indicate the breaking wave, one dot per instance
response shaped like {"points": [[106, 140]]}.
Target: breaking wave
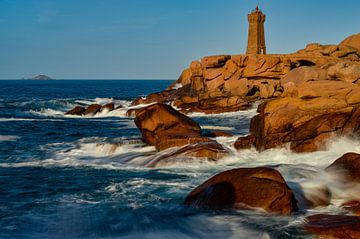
{"points": [[8, 138]]}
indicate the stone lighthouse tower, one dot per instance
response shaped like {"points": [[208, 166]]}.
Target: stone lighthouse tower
{"points": [[256, 38]]}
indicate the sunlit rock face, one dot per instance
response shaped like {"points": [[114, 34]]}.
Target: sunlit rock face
{"points": [[226, 83]]}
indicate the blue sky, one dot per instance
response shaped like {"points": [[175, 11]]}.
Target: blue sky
{"points": [[153, 39]]}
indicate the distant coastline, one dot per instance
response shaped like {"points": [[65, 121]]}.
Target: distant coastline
{"points": [[41, 77]]}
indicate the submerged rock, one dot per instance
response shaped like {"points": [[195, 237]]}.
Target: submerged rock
{"points": [[78, 110], [352, 206], [333, 226], [245, 188], [108, 107], [203, 151], [347, 166], [92, 109]]}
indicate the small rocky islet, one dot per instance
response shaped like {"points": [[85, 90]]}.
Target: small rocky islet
{"points": [[306, 98]]}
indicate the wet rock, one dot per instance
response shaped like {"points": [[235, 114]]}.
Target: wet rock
{"points": [[333, 226], [92, 109], [218, 133], [158, 121], [305, 125], [203, 151], [108, 107], [246, 142], [352, 206], [166, 141], [245, 188], [311, 195], [78, 110], [347, 166]]}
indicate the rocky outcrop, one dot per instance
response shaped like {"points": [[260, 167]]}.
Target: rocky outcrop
{"points": [[91, 109], [347, 166], [108, 107], [352, 41], [226, 83], [263, 188], [317, 103], [78, 110], [333, 226], [160, 122], [165, 128]]}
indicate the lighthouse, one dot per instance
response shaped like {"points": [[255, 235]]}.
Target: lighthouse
{"points": [[256, 38]]}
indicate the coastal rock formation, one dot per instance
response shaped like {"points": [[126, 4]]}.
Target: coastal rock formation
{"points": [[347, 166], [227, 83], [334, 226], [317, 103], [78, 110], [353, 41], [245, 188], [108, 107], [160, 122], [164, 127], [91, 109]]}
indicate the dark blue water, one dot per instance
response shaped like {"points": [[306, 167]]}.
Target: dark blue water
{"points": [[84, 177]]}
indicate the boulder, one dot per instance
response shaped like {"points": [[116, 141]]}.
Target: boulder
{"points": [[246, 142], [78, 110], [108, 107], [333, 226], [92, 109], [304, 124], [166, 141], [245, 188], [353, 41], [352, 206], [158, 121], [348, 166], [202, 151]]}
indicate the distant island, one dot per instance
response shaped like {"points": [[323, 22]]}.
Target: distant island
{"points": [[41, 77]]}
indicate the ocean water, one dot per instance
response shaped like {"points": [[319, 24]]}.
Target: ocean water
{"points": [[86, 177]]}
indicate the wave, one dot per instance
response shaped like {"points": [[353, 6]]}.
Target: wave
{"points": [[305, 173], [249, 113], [117, 113], [8, 138], [214, 127]]}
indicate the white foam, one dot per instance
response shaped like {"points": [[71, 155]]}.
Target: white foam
{"points": [[217, 127], [8, 138], [177, 86], [244, 114]]}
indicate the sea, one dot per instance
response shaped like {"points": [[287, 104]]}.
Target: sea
{"points": [[86, 176]]}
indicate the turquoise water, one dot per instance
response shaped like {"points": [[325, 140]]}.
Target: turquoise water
{"points": [[84, 177]]}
